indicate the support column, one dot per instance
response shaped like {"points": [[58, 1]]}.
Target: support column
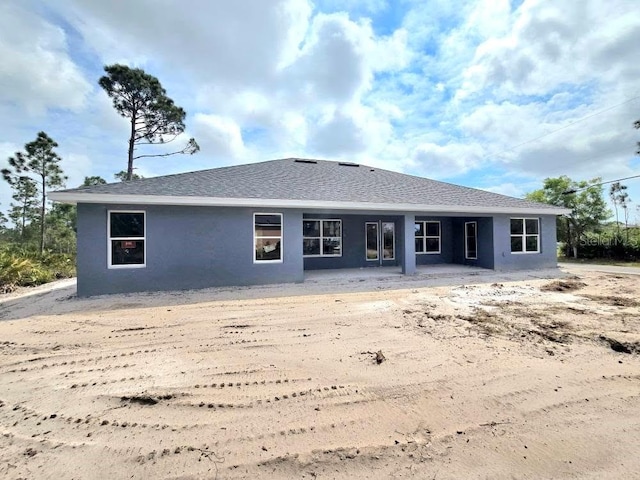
{"points": [[409, 245]]}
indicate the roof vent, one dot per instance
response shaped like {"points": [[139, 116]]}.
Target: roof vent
{"points": [[304, 160], [348, 164]]}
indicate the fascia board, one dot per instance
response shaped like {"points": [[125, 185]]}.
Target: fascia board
{"points": [[105, 198]]}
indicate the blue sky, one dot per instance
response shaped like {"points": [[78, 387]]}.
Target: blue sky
{"points": [[491, 94]]}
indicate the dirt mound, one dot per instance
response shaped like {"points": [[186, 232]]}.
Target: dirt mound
{"points": [[562, 286], [614, 301], [621, 347]]}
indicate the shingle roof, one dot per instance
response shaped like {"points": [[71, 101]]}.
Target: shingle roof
{"points": [[308, 181]]}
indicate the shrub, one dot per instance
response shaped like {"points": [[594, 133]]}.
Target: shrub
{"points": [[22, 267], [613, 247]]}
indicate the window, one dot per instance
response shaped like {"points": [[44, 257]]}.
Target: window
{"points": [[427, 237], [321, 238], [267, 237], [471, 240], [126, 231], [525, 235]]}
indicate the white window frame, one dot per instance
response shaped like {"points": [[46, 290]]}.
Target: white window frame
{"points": [[281, 238], [524, 235], [424, 237], [322, 236], [109, 239], [475, 237]]}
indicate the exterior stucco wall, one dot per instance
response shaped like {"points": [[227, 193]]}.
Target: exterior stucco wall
{"points": [[198, 247], [485, 242], [353, 242], [186, 247], [446, 242], [505, 260]]}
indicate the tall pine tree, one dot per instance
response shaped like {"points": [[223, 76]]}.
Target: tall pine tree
{"points": [[40, 163], [153, 117]]}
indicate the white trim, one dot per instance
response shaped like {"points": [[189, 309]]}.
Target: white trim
{"points": [[475, 237], [524, 235], [425, 237], [322, 237], [281, 238], [77, 197], [366, 246], [110, 266], [393, 224]]}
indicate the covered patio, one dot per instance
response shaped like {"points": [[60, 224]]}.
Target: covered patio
{"points": [[393, 272], [349, 280]]}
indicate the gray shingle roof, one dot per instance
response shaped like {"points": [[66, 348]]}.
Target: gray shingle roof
{"points": [[311, 180]]}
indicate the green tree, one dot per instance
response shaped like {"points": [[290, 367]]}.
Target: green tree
{"points": [[95, 180], [587, 204], [42, 162], [25, 210], [122, 176], [61, 228], [620, 197], [153, 116], [3, 223]]}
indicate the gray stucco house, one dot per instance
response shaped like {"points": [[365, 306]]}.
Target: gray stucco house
{"points": [[268, 222]]}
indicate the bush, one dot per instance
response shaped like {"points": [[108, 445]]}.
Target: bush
{"points": [[23, 267], [612, 247]]}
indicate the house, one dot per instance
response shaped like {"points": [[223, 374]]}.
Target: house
{"points": [[268, 222]]}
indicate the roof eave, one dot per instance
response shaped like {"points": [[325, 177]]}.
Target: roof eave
{"points": [[106, 198]]}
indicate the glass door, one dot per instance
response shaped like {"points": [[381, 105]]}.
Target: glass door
{"points": [[372, 241], [380, 242], [388, 241], [471, 240]]}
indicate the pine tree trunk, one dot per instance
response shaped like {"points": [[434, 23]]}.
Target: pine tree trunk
{"points": [[24, 218], [132, 140], [42, 209]]}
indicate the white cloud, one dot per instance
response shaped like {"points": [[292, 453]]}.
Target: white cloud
{"points": [[7, 149], [453, 87], [338, 135], [36, 71], [556, 43], [219, 137], [332, 65], [511, 189], [366, 6], [76, 166], [240, 42], [448, 160]]}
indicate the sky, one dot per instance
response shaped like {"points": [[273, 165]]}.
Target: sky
{"points": [[492, 94]]}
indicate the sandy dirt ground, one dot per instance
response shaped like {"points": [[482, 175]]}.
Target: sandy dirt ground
{"points": [[530, 379]]}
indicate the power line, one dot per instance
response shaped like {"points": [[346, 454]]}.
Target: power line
{"points": [[576, 190], [563, 127]]}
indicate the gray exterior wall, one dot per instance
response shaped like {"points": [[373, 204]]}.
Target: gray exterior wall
{"points": [[446, 242], [485, 242], [505, 260], [198, 247], [353, 242], [186, 247]]}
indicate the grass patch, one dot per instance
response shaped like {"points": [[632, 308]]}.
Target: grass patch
{"points": [[598, 261]]}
